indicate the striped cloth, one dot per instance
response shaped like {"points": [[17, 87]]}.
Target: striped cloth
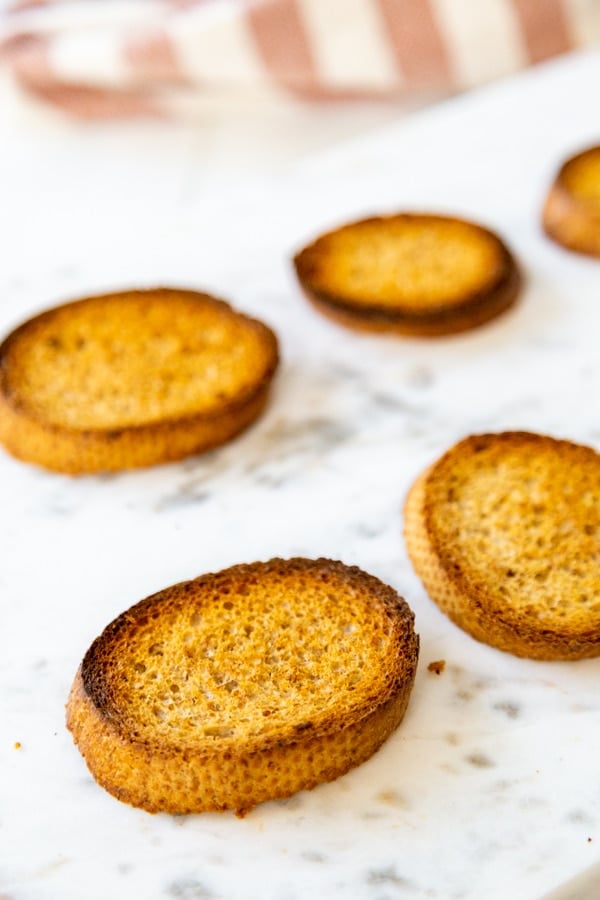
{"points": [[127, 57]]}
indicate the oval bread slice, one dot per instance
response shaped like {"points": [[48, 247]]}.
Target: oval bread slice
{"points": [[504, 532], [413, 274], [572, 210], [131, 379], [243, 686]]}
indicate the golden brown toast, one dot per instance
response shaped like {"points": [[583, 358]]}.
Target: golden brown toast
{"points": [[131, 379], [504, 532], [243, 686], [412, 274], [572, 210]]}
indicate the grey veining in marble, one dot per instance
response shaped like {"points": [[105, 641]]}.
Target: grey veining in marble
{"points": [[490, 788]]}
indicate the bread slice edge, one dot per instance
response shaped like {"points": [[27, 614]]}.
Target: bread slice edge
{"points": [[568, 220], [504, 628], [30, 438], [238, 772], [475, 309], [234, 780]]}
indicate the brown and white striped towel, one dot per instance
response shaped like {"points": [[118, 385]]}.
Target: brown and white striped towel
{"points": [[127, 57]]}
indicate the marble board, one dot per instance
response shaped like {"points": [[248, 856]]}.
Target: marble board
{"points": [[490, 788]]}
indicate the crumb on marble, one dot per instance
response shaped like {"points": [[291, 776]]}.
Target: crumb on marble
{"points": [[437, 666]]}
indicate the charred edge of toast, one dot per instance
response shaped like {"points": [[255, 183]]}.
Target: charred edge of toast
{"points": [[237, 775], [181, 782], [496, 625], [392, 605], [475, 309]]}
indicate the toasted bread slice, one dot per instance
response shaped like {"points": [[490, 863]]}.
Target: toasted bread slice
{"points": [[504, 532], [131, 379], [413, 274], [243, 686], [571, 213]]}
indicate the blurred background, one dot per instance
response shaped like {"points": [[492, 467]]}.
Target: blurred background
{"points": [[262, 81]]}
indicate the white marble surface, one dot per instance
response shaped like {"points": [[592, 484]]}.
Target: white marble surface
{"points": [[490, 788]]}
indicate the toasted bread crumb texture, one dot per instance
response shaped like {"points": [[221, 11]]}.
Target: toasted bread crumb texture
{"points": [[133, 359], [504, 531], [412, 262], [572, 209], [244, 685], [131, 379]]}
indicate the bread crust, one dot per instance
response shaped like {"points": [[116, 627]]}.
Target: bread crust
{"points": [[572, 220], [475, 308], [29, 436], [480, 605], [194, 773]]}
